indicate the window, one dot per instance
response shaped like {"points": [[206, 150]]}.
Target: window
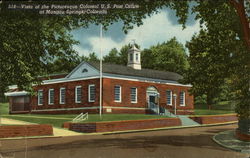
{"points": [[133, 95], [131, 57], [117, 93], [78, 94], [40, 97], [92, 93], [62, 95], [136, 57], [51, 96], [182, 98], [169, 97]]}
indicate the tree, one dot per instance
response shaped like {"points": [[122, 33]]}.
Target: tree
{"points": [[92, 57], [28, 43], [63, 64], [227, 23], [112, 57], [148, 59], [121, 57], [208, 63], [168, 56]]}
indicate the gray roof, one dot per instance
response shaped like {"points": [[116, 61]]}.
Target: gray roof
{"points": [[128, 71]]}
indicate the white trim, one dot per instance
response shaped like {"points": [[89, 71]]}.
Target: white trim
{"points": [[184, 98], [113, 76], [76, 101], [14, 94], [91, 85], [86, 108], [62, 80], [76, 68], [49, 101], [171, 97], [38, 99], [134, 102], [12, 87], [62, 109], [120, 94], [60, 97], [115, 107], [143, 79]]}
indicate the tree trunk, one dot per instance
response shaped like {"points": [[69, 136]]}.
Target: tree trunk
{"points": [[241, 11], [209, 101]]}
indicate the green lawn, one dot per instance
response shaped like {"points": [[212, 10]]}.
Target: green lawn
{"points": [[224, 107], [4, 108], [58, 120], [211, 112]]}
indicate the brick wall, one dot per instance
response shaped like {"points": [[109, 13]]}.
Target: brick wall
{"points": [[242, 136], [108, 95], [70, 95], [123, 125], [25, 130], [212, 119]]}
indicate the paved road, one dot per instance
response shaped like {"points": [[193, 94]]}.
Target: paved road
{"points": [[177, 143]]}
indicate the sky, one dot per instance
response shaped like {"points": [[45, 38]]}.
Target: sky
{"points": [[157, 28]]}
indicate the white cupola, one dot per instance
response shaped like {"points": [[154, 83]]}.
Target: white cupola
{"points": [[134, 58]]}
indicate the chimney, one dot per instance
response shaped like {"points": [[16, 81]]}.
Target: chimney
{"points": [[134, 58]]}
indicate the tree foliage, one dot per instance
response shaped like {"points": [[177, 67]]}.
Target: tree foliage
{"points": [[119, 57], [227, 33], [167, 56], [209, 65]]}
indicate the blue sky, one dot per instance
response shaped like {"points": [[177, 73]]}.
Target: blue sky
{"points": [[157, 28]]}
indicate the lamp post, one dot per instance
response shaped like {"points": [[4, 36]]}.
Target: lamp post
{"points": [[175, 96]]}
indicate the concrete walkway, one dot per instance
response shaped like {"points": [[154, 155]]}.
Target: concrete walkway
{"points": [[57, 131], [185, 121]]}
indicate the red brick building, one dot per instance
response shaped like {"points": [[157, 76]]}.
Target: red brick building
{"points": [[125, 89]]}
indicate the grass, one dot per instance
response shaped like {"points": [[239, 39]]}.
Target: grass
{"points": [[58, 120], [4, 108], [224, 107], [212, 112]]}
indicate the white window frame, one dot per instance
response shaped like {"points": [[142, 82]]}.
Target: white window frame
{"points": [[38, 97], [137, 57], [89, 95], [171, 97], [184, 98], [60, 99], [135, 95], [131, 58], [120, 96], [49, 101], [76, 101]]}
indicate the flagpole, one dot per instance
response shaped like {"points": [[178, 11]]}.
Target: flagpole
{"points": [[100, 101]]}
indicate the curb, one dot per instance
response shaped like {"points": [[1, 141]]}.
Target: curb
{"points": [[228, 147], [123, 132], [166, 128]]}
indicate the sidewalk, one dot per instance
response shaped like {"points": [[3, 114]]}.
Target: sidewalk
{"points": [[58, 132], [227, 139]]}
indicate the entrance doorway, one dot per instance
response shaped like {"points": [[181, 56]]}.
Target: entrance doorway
{"points": [[153, 99]]}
